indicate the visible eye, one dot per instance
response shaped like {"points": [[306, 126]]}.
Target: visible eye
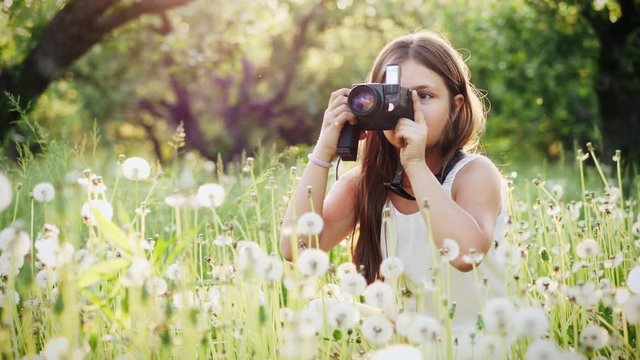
{"points": [[424, 96]]}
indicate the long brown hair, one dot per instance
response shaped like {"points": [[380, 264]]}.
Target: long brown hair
{"points": [[379, 156]]}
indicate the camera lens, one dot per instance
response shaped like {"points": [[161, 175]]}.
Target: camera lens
{"points": [[362, 99]]}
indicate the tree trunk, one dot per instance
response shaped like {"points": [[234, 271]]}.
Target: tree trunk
{"points": [[618, 81], [68, 36]]}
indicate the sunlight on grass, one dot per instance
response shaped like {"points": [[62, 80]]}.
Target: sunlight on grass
{"points": [[106, 256]]}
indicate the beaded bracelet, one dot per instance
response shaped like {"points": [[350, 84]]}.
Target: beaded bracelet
{"points": [[315, 160]]}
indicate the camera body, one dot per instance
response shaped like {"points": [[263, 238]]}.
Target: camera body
{"points": [[376, 107]]}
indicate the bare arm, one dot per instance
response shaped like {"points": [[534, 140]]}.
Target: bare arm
{"points": [[335, 215], [470, 217]]}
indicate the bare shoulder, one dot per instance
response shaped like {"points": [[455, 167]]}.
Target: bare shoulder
{"points": [[478, 175]]}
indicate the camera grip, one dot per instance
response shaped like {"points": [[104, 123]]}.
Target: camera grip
{"points": [[347, 147]]}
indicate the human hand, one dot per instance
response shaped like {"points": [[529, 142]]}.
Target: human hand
{"points": [[335, 116], [412, 135]]}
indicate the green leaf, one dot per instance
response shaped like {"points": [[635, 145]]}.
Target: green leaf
{"points": [[113, 234], [103, 270]]}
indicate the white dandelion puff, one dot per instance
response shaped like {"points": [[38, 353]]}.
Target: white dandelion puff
{"points": [[377, 329], [633, 280], [635, 228], [139, 271], [6, 192], [556, 190], [378, 294], [632, 309], [614, 261], [353, 284], [450, 250], [546, 286], [594, 337], [473, 257], [175, 272], [492, 346], [310, 223], [270, 268], [176, 200], [56, 348], [391, 268], [136, 168], [342, 315], [223, 240], [398, 351], [43, 192], [309, 322], [156, 286], [587, 248], [210, 195], [14, 241], [53, 254], [531, 322], [286, 315], [498, 314], [403, 323], [185, 299], [90, 207], [424, 329], [346, 268], [313, 262], [46, 278], [248, 254], [543, 350]]}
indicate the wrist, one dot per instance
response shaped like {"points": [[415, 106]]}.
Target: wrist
{"points": [[323, 154], [412, 167]]}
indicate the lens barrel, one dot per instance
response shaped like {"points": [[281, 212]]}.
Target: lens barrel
{"points": [[363, 100]]}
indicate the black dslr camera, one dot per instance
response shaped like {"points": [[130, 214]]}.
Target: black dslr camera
{"points": [[377, 107]]}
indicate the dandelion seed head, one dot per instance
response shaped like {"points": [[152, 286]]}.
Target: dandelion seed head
{"points": [[491, 346], [498, 314], [353, 284], [57, 348], [156, 286], [43, 192], [587, 248], [136, 168], [310, 223], [614, 261], [346, 268], [542, 350], [633, 280], [269, 268], [635, 229], [309, 322], [424, 329], [397, 351], [313, 262], [286, 315], [6, 192], [210, 195], [46, 279], [450, 250], [139, 271], [175, 272], [391, 268], [89, 207], [473, 257], [632, 309], [531, 322], [14, 241], [377, 329], [594, 337], [378, 294], [53, 254], [342, 315], [557, 190]]}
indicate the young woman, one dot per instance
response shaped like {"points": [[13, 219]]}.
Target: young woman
{"points": [[466, 207]]}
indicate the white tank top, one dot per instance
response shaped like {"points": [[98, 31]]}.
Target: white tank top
{"points": [[411, 243]]}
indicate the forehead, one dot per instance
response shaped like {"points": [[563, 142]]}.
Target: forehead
{"points": [[414, 75]]}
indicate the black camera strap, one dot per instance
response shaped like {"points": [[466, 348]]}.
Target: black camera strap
{"points": [[395, 185]]}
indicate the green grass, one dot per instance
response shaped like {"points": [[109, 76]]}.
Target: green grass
{"points": [[107, 307]]}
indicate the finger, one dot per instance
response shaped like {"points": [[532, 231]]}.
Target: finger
{"points": [[341, 119], [339, 109], [338, 94], [418, 116]]}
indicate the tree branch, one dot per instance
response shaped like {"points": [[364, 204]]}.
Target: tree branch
{"points": [[124, 15]]}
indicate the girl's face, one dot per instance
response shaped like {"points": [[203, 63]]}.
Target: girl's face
{"points": [[435, 101]]}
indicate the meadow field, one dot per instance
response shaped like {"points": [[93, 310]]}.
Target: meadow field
{"points": [[111, 256]]}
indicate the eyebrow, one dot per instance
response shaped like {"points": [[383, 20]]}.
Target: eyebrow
{"points": [[424, 87]]}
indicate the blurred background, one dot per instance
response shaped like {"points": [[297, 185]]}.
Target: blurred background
{"points": [[237, 75]]}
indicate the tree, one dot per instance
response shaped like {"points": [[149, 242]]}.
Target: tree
{"points": [[77, 27], [617, 85]]}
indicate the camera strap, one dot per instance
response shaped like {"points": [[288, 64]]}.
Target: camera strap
{"points": [[395, 185]]}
